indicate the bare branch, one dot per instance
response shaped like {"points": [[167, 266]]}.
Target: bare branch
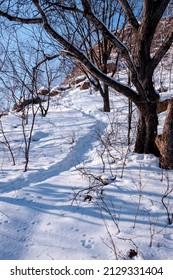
{"points": [[129, 13], [159, 8], [73, 7], [47, 58], [162, 51], [122, 48], [153, 12], [75, 53], [100, 25], [21, 20]]}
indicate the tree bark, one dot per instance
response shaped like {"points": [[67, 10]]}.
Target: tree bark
{"points": [[106, 101], [147, 130], [164, 142], [151, 121], [129, 120], [141, 134]]}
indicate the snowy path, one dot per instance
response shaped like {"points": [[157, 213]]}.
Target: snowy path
{"points": [[37, 217], [41, 210]]}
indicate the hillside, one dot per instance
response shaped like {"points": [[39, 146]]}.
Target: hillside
{"points": [[128, 38], [86, 195]]}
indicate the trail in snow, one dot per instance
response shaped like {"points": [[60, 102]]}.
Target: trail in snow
{"points": [[37, 219], [74, 156], [44, 196]]}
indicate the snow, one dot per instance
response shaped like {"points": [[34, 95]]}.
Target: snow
{"points": [[80, 199]]}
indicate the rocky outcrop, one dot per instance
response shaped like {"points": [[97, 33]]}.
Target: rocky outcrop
{"points": [[18, 107]]}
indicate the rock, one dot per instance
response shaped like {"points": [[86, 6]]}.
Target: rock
{"points": [[43, 91], [22, 104], [162, 106], [77, 80], [55, 92], [85, 85]]}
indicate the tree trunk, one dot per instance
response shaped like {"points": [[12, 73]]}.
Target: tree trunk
{"points": [[147, 130], [106, 101], [164, 142], [151, 133], [129, 120], [141, 134], [104, 92], [148, 118]]}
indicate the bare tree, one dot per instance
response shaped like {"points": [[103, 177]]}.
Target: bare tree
{"points": [[141, 60], [23, 71], [96, 47]]}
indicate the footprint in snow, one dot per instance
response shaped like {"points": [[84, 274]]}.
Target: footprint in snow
{"points": [[4, 222], [88, 244], [76, 230], [33, 223]]}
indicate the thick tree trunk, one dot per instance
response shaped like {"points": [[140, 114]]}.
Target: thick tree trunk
{"points": [[148, 118], [147, 131], [151, 133], [141, 134], [165, 141]]}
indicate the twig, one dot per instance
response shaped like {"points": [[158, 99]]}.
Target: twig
{"points": [[168, 191]]}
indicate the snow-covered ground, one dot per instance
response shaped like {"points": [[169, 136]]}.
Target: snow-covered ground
{"points": [[86, 195]]}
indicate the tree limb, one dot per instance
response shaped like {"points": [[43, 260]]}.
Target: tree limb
{"points": [[75, 53], [162, 51], [66, 8], [19, 19], [129, 13], [46, 58], [122, 48], [100, 25], [159, 8], [153, 12]]}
